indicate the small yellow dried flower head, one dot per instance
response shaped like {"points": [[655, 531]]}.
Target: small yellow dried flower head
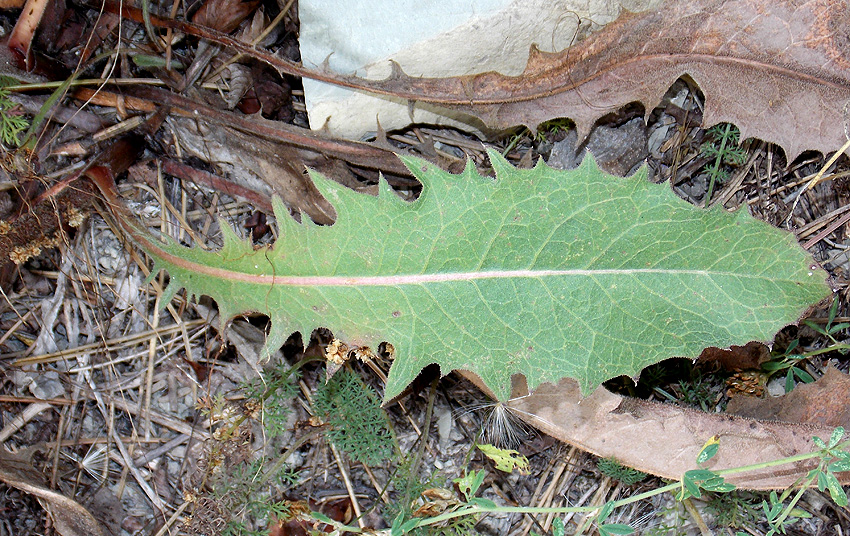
{"points": [[75, 217], [337, 352], [21, 254]]}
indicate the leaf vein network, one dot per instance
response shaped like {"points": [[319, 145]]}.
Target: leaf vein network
{"points": [[494, 238], [569, 312], [627, 314], [495, 315], [450, 318], [435, 210]]}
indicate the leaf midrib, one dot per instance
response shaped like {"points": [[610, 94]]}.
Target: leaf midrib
{"points": [[421, 279]]}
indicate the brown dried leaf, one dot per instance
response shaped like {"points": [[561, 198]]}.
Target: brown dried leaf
{"points": [[663, 439], [44, 210], [253, 29], [224, 15], [69, 517], [303, 147], [438, 494], [735, 358], [825, 402], [301, 524], [39, 218], [779, 70], [257, 165], [434, 508]]}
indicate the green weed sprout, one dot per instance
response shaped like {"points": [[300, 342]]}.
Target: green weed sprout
{"points": [[736, 509], [830, 329], [12, 123], [541, 135], [790, 361], [612, 468], [355, 421], [723, 148], [357, 424], [552, 128], [833, 459]]}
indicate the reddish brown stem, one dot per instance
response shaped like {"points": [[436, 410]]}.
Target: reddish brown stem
{"points": [[20, 40]]}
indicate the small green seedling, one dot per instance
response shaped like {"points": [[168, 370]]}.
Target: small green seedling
{"points": [[723, 148], [792, 362], [612, 468], [12, 122]]}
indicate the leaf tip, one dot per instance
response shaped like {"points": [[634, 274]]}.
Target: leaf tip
{"points": [[588, 163], [168, 292], [387, 194], [281, 212], [278, 333], [469, 170], [330, 189], [500, 164], [231, 242], [418, 166]]}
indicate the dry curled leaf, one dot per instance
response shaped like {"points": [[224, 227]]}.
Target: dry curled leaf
{"points": [[735, 358], [256, 164], [665, 440], [224, 15], [825, 402], [779, 70]]}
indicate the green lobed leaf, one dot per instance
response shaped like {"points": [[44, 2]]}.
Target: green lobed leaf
{"points": [[505, 459], [546, 273]]}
